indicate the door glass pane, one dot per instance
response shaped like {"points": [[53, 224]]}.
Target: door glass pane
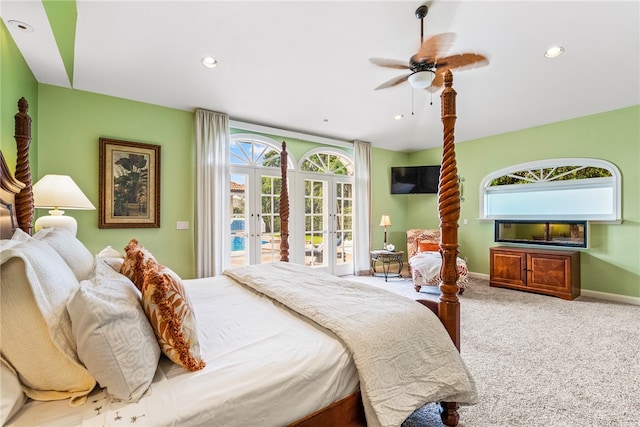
{"points": [[269, 236], [238, 228], [315, 222], [344, 223]]}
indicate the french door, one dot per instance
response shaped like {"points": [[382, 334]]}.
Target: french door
{"points": [[328, 223], [255, 216]]}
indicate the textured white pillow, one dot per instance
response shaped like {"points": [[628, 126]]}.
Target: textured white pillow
{"points": [[72, 250], [112, 257], [115, 340], [12, 396], [37, 341]]}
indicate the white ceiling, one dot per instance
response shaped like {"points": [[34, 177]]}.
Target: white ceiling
{"points": [[304, 66]]}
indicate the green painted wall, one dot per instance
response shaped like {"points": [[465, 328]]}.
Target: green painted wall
{"points": [[16, 81], [71, 124], [382, 202], [612, 263]]}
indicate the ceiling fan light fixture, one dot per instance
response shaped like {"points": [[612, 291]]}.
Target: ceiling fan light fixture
{"points": [[554, 51], [421, 79]]}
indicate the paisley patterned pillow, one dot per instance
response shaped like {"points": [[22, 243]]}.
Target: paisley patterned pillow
{"points": [[168, 308]]}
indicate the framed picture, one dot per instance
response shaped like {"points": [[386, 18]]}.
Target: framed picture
{"points": [[129, 184]]}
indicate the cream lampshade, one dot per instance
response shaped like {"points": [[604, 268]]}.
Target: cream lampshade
{"points": [[385, 222], [55, 192]]}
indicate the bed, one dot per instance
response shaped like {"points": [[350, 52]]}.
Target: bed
{"points": [[238, 349]]}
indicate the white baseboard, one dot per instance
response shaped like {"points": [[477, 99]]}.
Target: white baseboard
{"points": [[610, 297], [584, 292], [479, 275]]}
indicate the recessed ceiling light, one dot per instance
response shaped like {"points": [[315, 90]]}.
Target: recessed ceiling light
{"points": [[398, 117], [209, 62], [22, 26], [554, 51]]}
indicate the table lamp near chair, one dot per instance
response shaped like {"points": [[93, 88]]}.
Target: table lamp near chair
{"points": [[59, 192], [385, 222]]}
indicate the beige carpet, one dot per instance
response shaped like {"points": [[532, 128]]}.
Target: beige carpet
{"points": [[540, 360]]}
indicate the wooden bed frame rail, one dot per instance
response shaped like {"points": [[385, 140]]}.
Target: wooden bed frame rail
{"points": [[347, 411]]}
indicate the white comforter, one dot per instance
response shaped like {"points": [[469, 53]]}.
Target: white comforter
{"points": [[266, 366], [404, 356]]}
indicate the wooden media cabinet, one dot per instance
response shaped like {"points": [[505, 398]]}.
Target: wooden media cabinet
{"points": [[550, 272]]}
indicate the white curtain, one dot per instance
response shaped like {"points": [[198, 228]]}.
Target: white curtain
{"points": [[212, 195], [362, 207]]}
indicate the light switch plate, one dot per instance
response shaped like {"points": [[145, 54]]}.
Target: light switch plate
{"points": [[182, 225]]}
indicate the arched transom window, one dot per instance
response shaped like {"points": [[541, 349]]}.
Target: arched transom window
{"points": [[568, 188], [256, 151], [328, 162]]}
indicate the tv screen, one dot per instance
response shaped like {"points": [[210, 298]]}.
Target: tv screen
{"points": [[414, 179]]}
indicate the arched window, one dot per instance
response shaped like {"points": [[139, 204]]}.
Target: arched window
{"points": [[327, 161], [553, 189], [256, 150]]}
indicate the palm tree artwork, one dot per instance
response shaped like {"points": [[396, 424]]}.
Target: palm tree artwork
{"points": [[131, 184]]}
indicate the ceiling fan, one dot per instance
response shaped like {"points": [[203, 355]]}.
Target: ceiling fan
{"points": [[428, 66]]}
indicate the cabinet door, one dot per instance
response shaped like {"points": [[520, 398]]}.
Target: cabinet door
{"points": [[552, 272], [509, 268]]}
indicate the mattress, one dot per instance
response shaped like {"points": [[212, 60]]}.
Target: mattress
{"points": [[265, 366]]}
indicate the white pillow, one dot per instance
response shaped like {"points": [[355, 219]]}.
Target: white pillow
{"points": [[112, 257], [115, 340], [37, 340], [12, 396], [72, 250]]}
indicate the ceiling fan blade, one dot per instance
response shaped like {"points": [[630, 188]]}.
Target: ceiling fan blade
{"points": [[394, 81], [463, 61], [433, 47], [390, 63]]}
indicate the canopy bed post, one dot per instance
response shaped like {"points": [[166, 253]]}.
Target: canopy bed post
{"points": [[24, 199], [449, 212], [284, 206]]}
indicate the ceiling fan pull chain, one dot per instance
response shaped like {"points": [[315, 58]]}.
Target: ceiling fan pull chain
{"points": [[412, 102]]}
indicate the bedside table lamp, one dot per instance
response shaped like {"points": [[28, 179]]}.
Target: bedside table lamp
{"points": [[385, 222], [59, 191]]}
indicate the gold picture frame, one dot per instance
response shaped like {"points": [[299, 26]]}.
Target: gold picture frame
{"points": [[129, 184]]}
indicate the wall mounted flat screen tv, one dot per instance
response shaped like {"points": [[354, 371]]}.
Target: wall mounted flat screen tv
{"points": [[415, 179]]}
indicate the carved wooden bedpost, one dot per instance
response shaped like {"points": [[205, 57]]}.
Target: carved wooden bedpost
{"points": [[284, 206], [24, 199], [449, 212]]}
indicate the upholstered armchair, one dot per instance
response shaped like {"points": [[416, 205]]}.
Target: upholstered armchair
{"points": [[425, 261]]}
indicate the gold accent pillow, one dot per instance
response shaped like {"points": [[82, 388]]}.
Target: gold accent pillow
{"points": [[168, 308], [166, 305]]}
